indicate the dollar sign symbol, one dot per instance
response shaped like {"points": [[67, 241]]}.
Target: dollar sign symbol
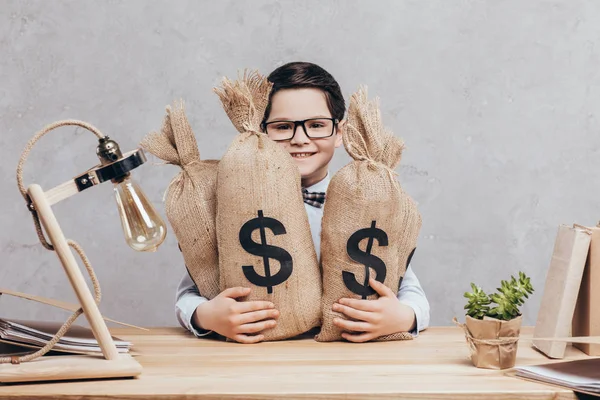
{"points": [[265, 251], [366, 258]]}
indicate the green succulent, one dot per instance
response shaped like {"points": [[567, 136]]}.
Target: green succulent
{"points": [[509, 297], [478, 304]]}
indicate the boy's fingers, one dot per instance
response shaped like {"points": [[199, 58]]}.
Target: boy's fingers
{"points": [[380, 288], [236, 292], [255, 316], [256, 327], [363, 305], [352, 325], [361, 338], [248, 339], [353, 313], [249, 306]]}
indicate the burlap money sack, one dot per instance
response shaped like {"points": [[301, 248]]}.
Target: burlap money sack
{"points": [[190, 198], [367, 219], [262, 228]]}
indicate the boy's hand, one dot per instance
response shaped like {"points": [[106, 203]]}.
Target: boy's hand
{"points": [[239, 321], [374, 318]]}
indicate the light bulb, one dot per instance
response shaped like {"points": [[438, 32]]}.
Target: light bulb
{"points": [[143, 227]]}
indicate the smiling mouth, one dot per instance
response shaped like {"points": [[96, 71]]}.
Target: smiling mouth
{"points": [[302, 155]]}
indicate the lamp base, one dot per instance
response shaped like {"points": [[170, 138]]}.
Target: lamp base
{"points": [[70, 367]]}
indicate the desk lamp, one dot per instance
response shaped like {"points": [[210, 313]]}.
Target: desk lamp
{"points": [[144, 230]]}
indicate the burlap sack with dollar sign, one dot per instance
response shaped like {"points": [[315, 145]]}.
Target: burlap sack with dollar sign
{"points": [[190, 198], [262, 228], [370, 225]]}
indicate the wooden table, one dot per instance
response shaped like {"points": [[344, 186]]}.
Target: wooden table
{"points": [[178, 365]]}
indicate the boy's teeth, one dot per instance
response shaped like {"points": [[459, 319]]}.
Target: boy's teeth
{"points": [[302, 155]]}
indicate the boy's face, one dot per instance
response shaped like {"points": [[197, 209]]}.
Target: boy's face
{"points": [[311, 155]]}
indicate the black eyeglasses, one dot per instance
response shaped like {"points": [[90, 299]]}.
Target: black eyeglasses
{"points": [[314, 128]]}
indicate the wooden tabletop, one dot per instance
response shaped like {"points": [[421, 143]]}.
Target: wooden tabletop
{"points": [[178, 365]]}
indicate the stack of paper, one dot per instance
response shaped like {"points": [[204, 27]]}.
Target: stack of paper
{"points": [[36, 334], [579, 375]]}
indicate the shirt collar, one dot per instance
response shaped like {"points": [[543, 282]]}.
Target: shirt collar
{"points": [[320, 186]]}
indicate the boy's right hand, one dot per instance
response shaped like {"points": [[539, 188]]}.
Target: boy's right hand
{"points": [[237, 320]]}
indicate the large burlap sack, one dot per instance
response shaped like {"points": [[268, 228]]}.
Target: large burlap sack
{"points": [[262, 228], [190, 198], [370, 225]]}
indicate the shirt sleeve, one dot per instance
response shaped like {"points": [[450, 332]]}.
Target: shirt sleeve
{"points": [[411, 293], [188, 298]]}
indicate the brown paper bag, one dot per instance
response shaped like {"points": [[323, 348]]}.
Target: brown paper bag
{"points": [[586, 318], [492, 342], [561, 289], [262, 228], [190, 198], [370, 225]]}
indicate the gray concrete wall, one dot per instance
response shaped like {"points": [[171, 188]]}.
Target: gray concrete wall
{"points": [[497, 102]]}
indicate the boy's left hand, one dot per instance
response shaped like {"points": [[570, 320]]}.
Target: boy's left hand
{"points": [[374, 318]]}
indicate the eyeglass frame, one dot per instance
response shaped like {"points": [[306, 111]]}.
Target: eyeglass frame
{"points": [[301, 123]]}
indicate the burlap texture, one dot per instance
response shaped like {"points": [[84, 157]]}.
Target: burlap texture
{"points": [[493, 343], [190, 197], [257, 176], [362, 194]]}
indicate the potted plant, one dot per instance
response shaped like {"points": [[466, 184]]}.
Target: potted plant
{"points": [[493, 322]]}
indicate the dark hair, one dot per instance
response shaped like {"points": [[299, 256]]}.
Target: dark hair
{"points": [[297, 75]]}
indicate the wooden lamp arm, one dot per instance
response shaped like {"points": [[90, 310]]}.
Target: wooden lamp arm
{"points": [[73, 272], [69, 188], [95, 176]]}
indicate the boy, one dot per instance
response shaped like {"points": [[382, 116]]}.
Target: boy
{"points": [[305, 116]]}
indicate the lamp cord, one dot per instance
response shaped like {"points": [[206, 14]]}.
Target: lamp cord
{"points": [[23, 159], [97, 293]]}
